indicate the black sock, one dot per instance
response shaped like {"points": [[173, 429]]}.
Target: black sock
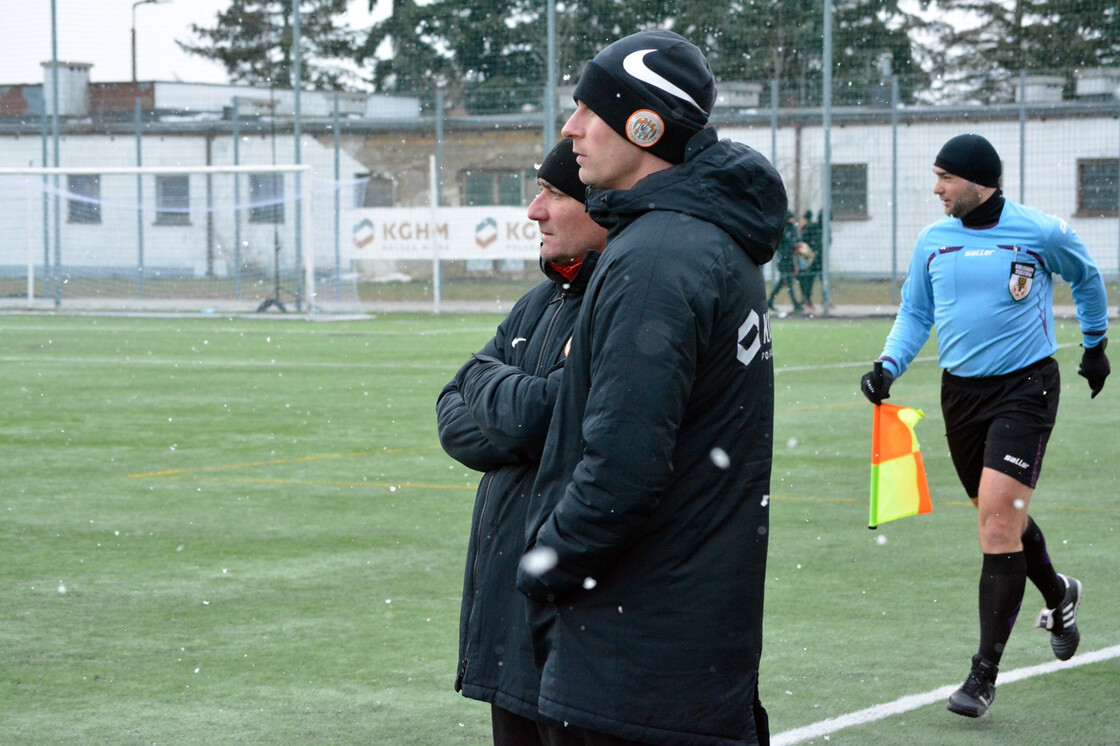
{"points": [[1039, 568], [1003, 578]]}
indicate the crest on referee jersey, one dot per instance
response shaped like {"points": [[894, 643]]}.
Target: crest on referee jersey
{"points": [[1022, 277]]}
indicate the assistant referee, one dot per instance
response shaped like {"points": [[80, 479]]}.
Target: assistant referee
{"points": [[983, 276]]}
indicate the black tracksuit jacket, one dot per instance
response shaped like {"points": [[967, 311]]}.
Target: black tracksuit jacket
{"points": [[653, 490], [493, 417]]}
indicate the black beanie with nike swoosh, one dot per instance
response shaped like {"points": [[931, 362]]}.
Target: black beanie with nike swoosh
{"points": [[655, 88]]}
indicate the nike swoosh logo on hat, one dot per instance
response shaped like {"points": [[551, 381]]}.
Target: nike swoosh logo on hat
{"points": [[635, 64]]}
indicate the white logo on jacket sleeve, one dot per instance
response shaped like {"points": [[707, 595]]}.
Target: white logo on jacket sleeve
{"points": [[754, 334], [517, 341]]}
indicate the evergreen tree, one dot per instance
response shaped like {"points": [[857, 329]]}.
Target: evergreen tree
{"points": [[583, 27], [404, 50], [980, 58], [487, 55], [490, 55], [252, 39], [783, 40]]}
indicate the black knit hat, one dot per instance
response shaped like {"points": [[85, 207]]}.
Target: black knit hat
{"points": [[561, 171], [972, 158], [654, 88]]}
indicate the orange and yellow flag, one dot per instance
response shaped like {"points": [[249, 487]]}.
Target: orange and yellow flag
{"points": [[898, 476]]}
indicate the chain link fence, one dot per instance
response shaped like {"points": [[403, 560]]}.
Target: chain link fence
{"points": [[417, 198]]}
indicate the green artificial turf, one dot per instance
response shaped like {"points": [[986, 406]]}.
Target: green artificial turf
{"points": [[243, 530]]}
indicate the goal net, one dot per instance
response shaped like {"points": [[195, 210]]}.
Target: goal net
{"points": [[221, 238]]}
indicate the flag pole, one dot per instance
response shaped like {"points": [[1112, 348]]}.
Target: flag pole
{"points": [[876, 425]]}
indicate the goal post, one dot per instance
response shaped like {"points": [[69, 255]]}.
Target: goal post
{"points": [[184, 238]]}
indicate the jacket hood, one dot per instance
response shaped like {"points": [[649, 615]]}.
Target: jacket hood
{"points": [[721, 182]]}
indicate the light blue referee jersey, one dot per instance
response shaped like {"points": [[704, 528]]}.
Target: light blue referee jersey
{"points": [[990, 293]]}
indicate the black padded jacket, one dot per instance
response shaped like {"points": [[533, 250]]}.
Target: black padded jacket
{"points": [[652, 497], [493, 417]]}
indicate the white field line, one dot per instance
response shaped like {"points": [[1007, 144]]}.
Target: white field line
{"points": [[914, 701]]}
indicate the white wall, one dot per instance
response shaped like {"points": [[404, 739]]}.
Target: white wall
{"points": [[113, 242], [859, 246], [1053, 148]]}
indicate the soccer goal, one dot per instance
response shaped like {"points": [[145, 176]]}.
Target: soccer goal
{"points": [[221, 238]]}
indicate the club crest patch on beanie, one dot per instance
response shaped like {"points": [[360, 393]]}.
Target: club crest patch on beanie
{"points": [[972, 158], [655, 88], [561, 171]]}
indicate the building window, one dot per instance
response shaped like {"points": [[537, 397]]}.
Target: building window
{"points": [[373, 190], [173, 200], [849, 191], [491, 187], [84, 201], [266, 198], [1097, 187]]}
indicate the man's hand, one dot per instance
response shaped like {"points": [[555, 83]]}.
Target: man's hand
{"points": [[876, 385], [1094, 367]]}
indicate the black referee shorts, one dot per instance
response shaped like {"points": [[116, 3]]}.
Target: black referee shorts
{"points": [[1002, 422]]}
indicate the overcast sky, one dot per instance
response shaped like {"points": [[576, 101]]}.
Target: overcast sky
{"points": [[99, 32]]}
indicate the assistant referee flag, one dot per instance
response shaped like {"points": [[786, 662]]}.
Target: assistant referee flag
{"points": [[898, 476]]}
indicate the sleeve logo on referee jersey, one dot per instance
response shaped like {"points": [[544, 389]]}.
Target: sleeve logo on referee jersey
{"points": [[754, 339]]}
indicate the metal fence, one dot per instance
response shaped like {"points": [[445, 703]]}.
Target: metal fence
{"points": [[381, 165]]}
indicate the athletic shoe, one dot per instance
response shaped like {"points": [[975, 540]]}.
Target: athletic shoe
{"points": [[977, 692], [1062, 622]]}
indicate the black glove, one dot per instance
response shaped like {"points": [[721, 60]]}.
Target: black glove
{"points": [[876, 385], [1094, 367]]}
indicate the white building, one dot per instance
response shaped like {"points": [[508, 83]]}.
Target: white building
{"points": [[1060, 155]]}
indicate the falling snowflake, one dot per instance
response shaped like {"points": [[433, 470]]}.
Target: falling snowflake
{"points": [[539, 560], [720, 458]]}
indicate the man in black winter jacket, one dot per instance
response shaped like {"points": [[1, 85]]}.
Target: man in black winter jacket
{"points": [[493, 417], [649, 516]]}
